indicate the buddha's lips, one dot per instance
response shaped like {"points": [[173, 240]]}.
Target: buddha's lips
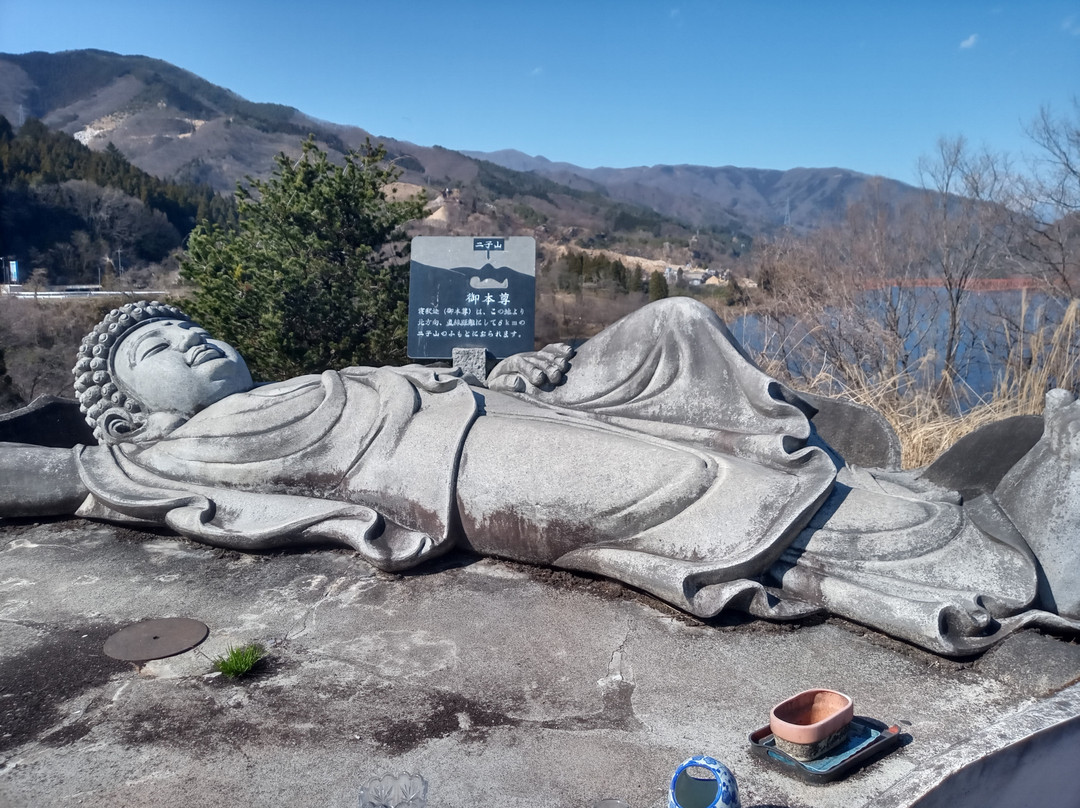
{"points": [[203, 353]]}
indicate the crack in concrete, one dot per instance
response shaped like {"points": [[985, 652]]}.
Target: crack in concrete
{"points": [[311, 612], [617, 671], [617, 691]]}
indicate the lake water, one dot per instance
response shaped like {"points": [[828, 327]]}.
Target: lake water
{"points": [[989, 324]]}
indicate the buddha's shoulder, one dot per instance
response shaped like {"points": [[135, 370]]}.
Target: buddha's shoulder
{"points": [[300, 384], [285, 400]]}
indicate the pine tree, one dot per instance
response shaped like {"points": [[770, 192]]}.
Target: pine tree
{"points": [[658, 287], [309, 278]]}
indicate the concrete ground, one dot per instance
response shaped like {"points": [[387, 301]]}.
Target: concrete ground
{"points": [[501, 684]]}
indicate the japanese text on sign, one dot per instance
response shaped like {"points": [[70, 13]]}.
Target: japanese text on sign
{"points": [[486, 316], [488, 244], [471, 292]]}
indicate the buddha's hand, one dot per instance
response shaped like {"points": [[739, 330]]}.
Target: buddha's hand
{"points": [[536, 370]]}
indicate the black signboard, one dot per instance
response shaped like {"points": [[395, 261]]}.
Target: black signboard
{"points": [[471, 292]]}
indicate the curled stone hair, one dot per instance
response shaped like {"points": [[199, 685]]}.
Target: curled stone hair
{"points": [[114, 415]]}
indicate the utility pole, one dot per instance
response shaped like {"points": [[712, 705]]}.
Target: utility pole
{"points": [[119, 263]]}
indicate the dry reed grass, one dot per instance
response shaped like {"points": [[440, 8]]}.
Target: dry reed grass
{"points": [[930, 414]]}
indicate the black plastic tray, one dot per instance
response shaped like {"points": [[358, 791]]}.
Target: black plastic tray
{"points": [[867, 738]]}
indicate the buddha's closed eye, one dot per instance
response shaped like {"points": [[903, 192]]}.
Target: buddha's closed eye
{"points": [[154, 347]]}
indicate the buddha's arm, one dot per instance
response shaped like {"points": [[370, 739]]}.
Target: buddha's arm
{"points": [[38, 481]]}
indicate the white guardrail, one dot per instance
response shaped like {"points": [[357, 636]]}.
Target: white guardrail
{"points": [[18, 291]]}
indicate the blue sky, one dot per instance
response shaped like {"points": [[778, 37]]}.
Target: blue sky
{"points": [[863, 85]]}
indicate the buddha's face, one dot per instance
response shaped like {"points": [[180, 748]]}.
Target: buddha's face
{"points": [[174, 366]]}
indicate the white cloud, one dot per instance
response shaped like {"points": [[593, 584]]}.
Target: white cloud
{"points": [[536, 71], [970, 41], [1070, 26]]}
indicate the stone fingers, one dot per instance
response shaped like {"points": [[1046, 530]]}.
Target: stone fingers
{"points": [[557, 360]]}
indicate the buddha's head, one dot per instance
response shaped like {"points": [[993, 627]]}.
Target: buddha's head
{"points": [[147, 367]]}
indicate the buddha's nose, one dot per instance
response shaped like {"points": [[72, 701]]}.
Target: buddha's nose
{"points": [[190, 340]]}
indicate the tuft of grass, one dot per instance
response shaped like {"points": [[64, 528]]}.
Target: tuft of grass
{"points": [[240, 660]]}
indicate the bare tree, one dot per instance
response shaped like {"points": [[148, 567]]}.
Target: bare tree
{"points": [[39, 340], [842, 301], [39, 280], [966, 226], [883, 262], [1058, 165], [1050, 199]]}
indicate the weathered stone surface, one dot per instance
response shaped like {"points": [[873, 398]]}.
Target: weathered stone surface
{"points": [[976, 463], [1026, 758], [500, 683], [38, 481], [1040, 663], [1041, 495], [47, 421], [473, 364], [581, 688], [858, 434]]}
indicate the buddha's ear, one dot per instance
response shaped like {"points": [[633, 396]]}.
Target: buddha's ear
{"points": [[117, 425]]}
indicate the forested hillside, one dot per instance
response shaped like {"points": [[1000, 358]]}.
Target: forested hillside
{"points": [[66, 208]]}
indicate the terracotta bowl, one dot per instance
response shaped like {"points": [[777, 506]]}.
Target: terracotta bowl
{"points": [[811, 717]]}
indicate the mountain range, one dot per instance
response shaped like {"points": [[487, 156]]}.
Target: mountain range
{"points": [[176, 125], [753, 199]]}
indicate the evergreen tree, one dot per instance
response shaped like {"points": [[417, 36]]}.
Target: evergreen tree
{"points": [[309, 278], [658, 286]]}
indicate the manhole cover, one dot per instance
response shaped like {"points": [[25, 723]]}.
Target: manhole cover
{"points": [[156, 639]]}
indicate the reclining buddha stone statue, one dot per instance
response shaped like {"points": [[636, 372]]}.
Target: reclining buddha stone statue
{"points": [[657, 454]]}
